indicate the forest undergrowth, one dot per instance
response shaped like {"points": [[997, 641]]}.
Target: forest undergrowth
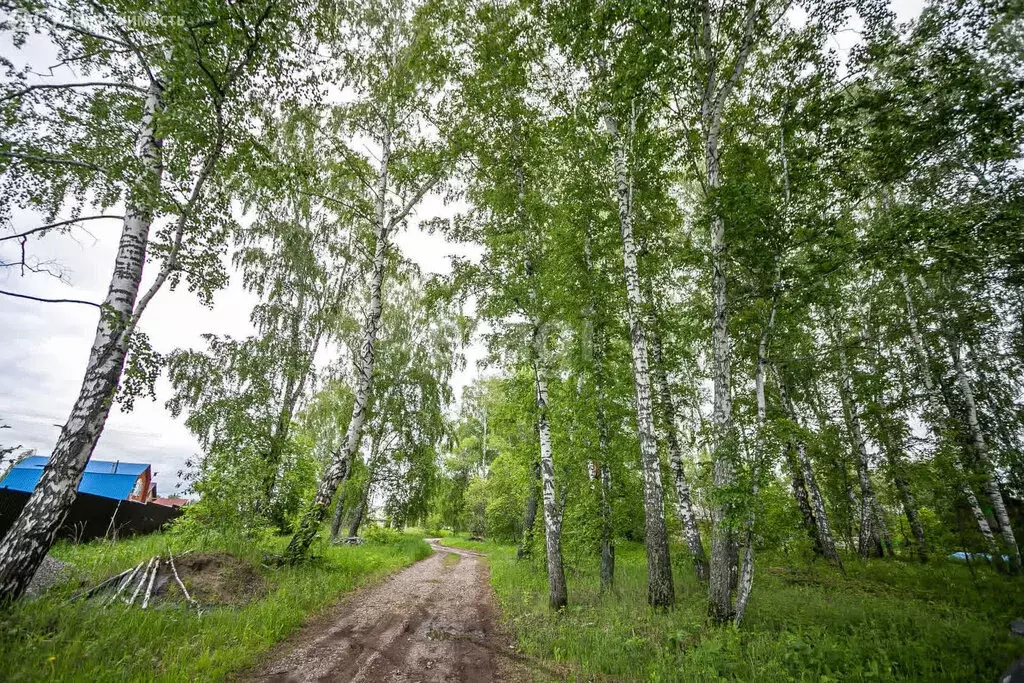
{"points": [[47, 639], [885, 620]]}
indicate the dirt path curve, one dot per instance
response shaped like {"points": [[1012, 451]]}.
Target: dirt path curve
{"points": [[433, 621]]}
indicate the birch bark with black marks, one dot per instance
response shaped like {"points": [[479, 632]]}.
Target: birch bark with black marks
{"points": [[873, 530], [723, 543], [29, 539], [991, 483], [684, 501], [660, 590], [897, 464], [335, 470], [824, 535], [746, 573], [803, 501], [940, 410], [557, 595]]}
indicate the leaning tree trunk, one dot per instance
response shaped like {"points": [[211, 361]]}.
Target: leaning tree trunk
{"points": [[660, 591], [824, 535], [873, 529], [557, 595], [364, 499], [684, 501], [897, 466], [525, 548], [335, 470], [992, 490], [339, 507], [828, 544], [940, 409], [29, 539], [803, 501]]}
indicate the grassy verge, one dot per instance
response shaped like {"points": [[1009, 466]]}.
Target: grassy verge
{"points": [[887, 620], [48, 640]]}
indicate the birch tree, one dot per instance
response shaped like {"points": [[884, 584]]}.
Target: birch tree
{"points": [[184, 80], [387, 61]]}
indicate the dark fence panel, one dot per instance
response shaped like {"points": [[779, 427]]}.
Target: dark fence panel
{"points": [[92, 516]]}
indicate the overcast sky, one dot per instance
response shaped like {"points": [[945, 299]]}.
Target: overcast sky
{"points": [[44, 347]]}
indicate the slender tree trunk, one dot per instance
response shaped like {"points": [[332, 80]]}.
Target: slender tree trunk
{"points": [[335, 470], [525, 548], [684, 501], [602, 473], [940, 410], [660, 590], [339, 507], [873, 529], [29, 539], [746, 573], [896, 462], [803, 501], [824, 535], [607, 529], [828, 544], [289, 398], [557, 594], [723, 543], [992, 490], [364, 498]]}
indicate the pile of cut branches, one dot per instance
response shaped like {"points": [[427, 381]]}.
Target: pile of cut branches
{"points": [[139, 582]]}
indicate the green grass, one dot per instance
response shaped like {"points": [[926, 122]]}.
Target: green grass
{"points": [[887, 620], [48, 640]]}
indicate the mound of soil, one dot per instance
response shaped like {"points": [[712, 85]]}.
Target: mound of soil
{"points": [[217, 579]]}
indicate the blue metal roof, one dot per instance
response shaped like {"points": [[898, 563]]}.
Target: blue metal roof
{"points": [[97, 466], [98, 480]]}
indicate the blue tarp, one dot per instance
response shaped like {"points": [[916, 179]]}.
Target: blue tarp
{"points": [[98, 479], [975, 556]]}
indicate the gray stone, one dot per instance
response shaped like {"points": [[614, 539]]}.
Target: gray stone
{"points": [[48, 574]]}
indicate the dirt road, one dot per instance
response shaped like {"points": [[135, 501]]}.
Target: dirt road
{"points": [[433, 621]]}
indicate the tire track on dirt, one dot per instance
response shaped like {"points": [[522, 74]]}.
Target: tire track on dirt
{"points": [[433, 621]]}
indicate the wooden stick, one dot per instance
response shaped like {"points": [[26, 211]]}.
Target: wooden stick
{"points": [[152, 580], [142, 582], [124, 584], [184, 590], [92, 591]]}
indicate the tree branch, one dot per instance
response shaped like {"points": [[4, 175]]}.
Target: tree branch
{"points": [[59, 86], [170, 262], [52, 160], [48, 301], [59, 224], [413, 201], [746, 45]]}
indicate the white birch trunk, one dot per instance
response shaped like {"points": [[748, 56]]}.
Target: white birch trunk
{"points": [[873, 529], [557, 595], [684, 501], [992, 490], [335, 470], [660, 590], [29, 539], [825, 537], [938, 406], [746, 575], [723, 544]]}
